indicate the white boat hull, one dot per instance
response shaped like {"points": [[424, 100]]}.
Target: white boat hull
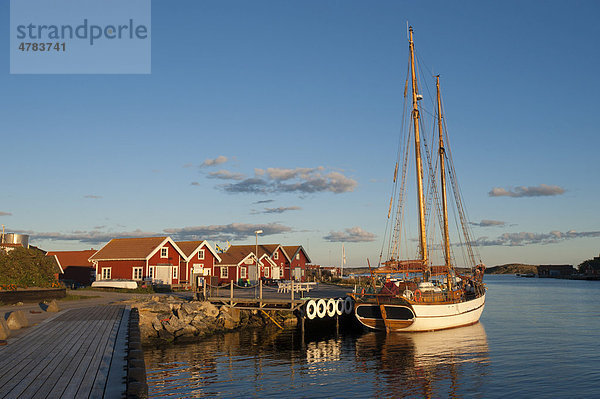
{"points": [[132, 285], [426, 317]]}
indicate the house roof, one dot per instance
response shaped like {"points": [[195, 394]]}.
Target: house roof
{"points": [[292, 250], [190, 248], [263, 249], [236, 254], [72, 258], [132, 248]]}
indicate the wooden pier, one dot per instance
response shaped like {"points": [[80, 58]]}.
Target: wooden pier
{"points": [[287, 296], [81, 353]]}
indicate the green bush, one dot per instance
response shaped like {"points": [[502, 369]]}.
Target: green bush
{"points": [[27, 268]]}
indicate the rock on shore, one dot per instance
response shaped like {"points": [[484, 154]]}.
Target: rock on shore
{"points": [[168, 319]]}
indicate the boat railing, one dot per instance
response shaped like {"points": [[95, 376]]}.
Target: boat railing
{"points": [[416, 297]]}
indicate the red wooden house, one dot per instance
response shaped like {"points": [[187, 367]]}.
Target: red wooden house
{"points": [[272, 260], [200, 259], [298, 260], [150, 258], [75, 266], [236, 264]]}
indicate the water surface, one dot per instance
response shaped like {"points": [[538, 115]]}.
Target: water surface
{"points": [[537, 338]]}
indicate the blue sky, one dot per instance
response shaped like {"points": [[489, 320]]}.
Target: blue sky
{"points": [[285, 116]]}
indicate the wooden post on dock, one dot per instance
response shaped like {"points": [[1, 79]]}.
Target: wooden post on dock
{"points": [[260, 292], [231, 294], [204, 288], [292, 290]]}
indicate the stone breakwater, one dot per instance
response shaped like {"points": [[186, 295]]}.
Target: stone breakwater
{"points": [[169, 319]]}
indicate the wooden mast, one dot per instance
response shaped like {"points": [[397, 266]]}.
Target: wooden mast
{"points": [[419, 166], [443, 182]]}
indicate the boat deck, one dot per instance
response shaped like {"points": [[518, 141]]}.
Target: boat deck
{"points": [[79, 353]]}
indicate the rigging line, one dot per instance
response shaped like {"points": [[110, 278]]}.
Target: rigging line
{"points": [[467, 231], [424, 82], [401, 136]]}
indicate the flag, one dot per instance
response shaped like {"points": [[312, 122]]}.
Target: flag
{"points": [[343, 255]]}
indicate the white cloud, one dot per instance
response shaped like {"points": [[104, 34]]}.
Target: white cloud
{"points": [[543, 190], [299, 180], [282, 209], [91, 196], [226, 175], [489, 223], [212, 162], [228, 232], [353, 234]]}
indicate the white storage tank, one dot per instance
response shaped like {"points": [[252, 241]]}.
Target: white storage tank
{"points": [[16, 238]]}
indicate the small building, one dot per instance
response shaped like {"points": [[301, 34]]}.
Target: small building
{"points": [[155, 259], [331, 270], [200, 259], [272, 260], [296, 269], [236, 264], [556, 271], [75, 266]]}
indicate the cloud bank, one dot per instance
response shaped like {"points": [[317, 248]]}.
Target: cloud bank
{"points": [[299, 180], [489, 223], [228, 232], [353, 234], [89, 237], [525, 238], [543, 190], [5, 214]]}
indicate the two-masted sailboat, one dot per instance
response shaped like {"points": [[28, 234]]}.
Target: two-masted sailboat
{"points": [[417, 295]]}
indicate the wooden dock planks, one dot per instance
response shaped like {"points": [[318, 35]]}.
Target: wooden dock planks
{"points": [[68, 356]]}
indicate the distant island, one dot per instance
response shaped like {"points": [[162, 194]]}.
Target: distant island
{"points": [[512, 268]]}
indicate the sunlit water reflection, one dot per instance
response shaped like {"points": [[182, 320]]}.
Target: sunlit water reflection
{"points": [[537, 338]]}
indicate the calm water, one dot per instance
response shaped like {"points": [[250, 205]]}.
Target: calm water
{"points": [[537, 338]]}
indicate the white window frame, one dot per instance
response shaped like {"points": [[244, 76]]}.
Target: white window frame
{"points": [[164, 250], [106, 273], [175, 272], [137, 269], [281, 272], [224, 272], [206, 271], [243, 272], [201, 254], [151, 272], [276, 255], [266, 272], [297, 256]]}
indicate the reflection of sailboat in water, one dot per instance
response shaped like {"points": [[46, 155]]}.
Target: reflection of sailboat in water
{"points": [[427, 363], [421, 295]]}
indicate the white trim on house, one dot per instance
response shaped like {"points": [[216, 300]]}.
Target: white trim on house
{"points": [[133, 272], [107, 276], [59, 265], [203, 244], [159, 246]]}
